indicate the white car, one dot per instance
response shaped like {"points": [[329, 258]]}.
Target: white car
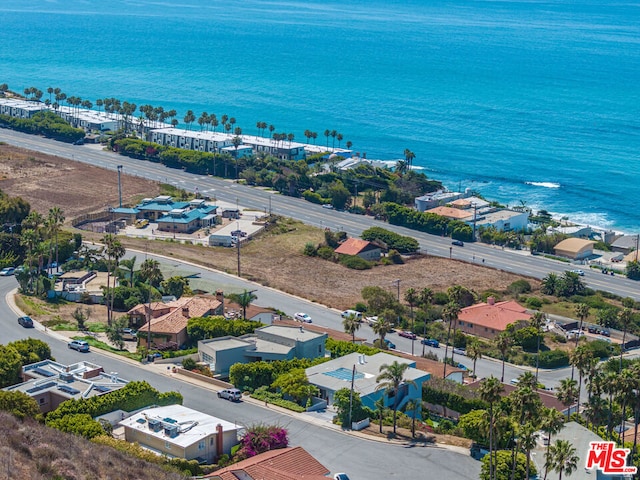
{"points": [[302, 317], [6, 272], [578, 272]]}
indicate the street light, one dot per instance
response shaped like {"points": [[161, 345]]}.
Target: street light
{"points": [[119, 167]]}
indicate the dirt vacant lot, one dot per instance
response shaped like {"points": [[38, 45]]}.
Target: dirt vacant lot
{"points": [[46, 181], [274, 258]]}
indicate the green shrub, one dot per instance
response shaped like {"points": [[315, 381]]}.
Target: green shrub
{"points": [[188, 364], [325, 253], [355, 262], [519, 286], [395, 257], [392, 240], [340, 348], [310, 250], [533, 303], [554, 359], [275, 398]]}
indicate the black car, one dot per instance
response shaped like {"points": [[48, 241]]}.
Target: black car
{"points": [[26, 322], [457, 243]]}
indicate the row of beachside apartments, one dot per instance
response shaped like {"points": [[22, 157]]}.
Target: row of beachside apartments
{"points": [[166, 135]]}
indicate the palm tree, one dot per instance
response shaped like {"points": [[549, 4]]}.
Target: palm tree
{"points": [[528, 439], [552, 421], [381, 328], [150, 272], [567, 393], [425, 298], [537, 320], [244, 299], [56, 219], [450, 314], [380, 408], [474, 352], [411, 297], [624, 317], [189, 118], [390, 380], [334, 134], [351, 324], [627, 392], [409, 156], [503, 343], [562, 458], [114, 251], [129, 264], [581, 359], [412, 406], [490, 391], [326, 134]]}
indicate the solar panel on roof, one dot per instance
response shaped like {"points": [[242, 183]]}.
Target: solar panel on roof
{"points": [[69, 390], [43, 372], [101, 388], [44, 386]]}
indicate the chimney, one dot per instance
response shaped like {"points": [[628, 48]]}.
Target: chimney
{"points": [[219, 440], [185, 312], [220, 298], [491, 301]]}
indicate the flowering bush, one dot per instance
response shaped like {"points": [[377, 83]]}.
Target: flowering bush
{"points": [[262, 438]]}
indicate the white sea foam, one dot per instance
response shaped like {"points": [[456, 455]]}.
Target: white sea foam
{"points": [[544, 184]]}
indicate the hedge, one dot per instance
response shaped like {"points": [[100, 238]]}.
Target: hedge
{"points": [[44, 123], [340, 348], [393, 240], [264, 394], [452, 395], [133, 396], [251, 376]]}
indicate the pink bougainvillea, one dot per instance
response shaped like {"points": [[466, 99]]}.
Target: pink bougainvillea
{"points": [[262, 438]]}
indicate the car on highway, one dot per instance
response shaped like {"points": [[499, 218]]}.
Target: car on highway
{"points": [[26, 322], [390, 344], [577, 271], [302, 317], [7, 272], [459, 351], [328, 206], [232, 394], [79, 345], [355, 313], [430, 342], [458, 243], [407, 334]]}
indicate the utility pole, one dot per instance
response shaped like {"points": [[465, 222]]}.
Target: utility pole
{"points": [[475, 216], [353, 377], [119, 186], [238, 246]]}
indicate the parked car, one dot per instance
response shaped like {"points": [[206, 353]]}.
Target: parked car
{"points": [[239, 233], [458, 243], [302, 317], [430, 342], [355, 313], [8, 271], [26, 322], [340, 476], [232, 394], [390, 344], [328, 206], [79, 345], [459, 351], [407, 334], [129, 334]]}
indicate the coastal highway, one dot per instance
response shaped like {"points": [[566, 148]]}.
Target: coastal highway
{"points": [[507, 260], [361, 458]]}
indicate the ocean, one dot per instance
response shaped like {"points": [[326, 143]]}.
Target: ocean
{"points": [[525, 101]]}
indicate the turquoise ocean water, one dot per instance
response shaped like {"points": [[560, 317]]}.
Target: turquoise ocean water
{"points": [[522, 100]]}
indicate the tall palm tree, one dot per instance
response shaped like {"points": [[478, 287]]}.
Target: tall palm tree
{"points": [[552, 421], [567, 393], [114, 252], [490, 391], [503, 343], [150, 272], [582, 312], [411, 297], [351, 324], [627, 392], [409, 156], [537, 320], [56, 219], [581, 359], [326, 134], [380, 408], [528, 439], [474, 352], [412, 406], [390, 379], [610, 387], [450, 314], [624, 317], [562, 458], [244, 299]]}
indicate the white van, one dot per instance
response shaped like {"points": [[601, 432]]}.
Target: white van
{"points": [[355, 313]]}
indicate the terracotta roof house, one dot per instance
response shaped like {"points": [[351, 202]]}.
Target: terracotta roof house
{"points": [[575, 248], [362, 248], [169, 320], [489, 319], [282, 464], [253, 312]]}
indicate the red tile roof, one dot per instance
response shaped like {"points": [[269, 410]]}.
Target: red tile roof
{"points": [[180, 311], [496, 316], [354, 246], [283, 464]]}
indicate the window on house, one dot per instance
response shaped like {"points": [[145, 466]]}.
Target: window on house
{"points": [[167, 445], [202, 444], [211, 441]]}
